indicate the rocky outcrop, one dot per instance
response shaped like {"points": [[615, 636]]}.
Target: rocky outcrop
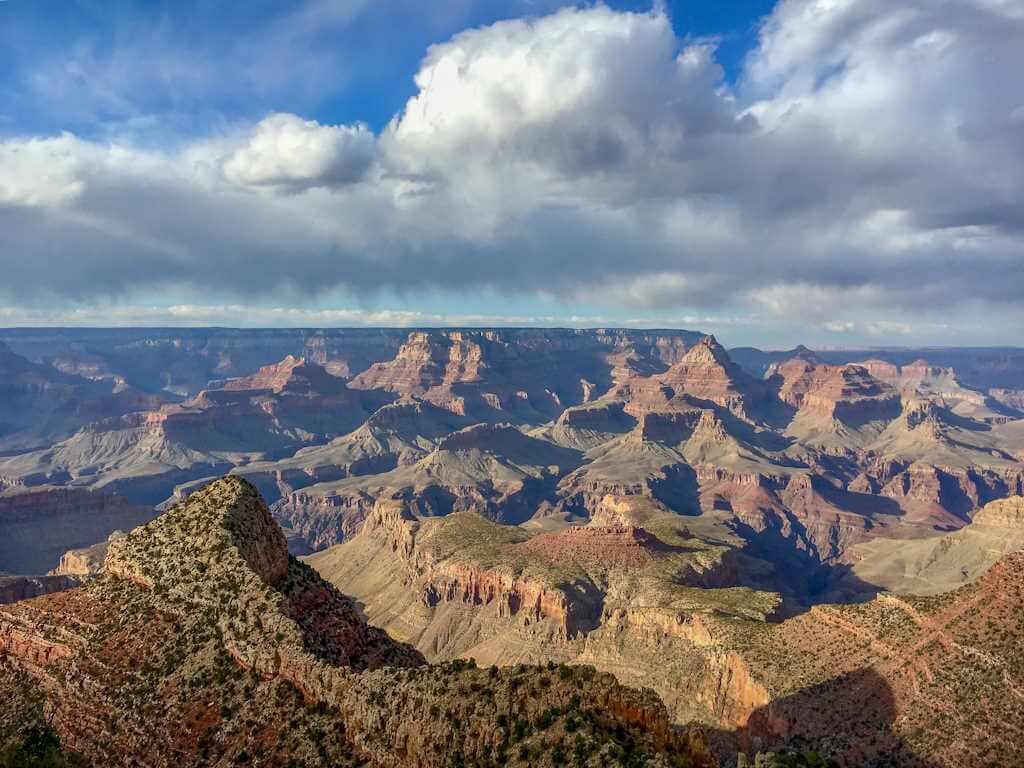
{"points": [[25, 642], [230, 513], [527, 600], [523, 374], [612, 595], [86, 562], [846, 393], [706, 373], [1007, 514], [613, 546], [291, 373]]}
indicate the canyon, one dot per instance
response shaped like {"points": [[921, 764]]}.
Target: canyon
{"points": [[700, 522]]}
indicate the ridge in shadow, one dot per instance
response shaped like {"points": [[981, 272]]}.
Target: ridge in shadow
{"points": [[849, 720]]}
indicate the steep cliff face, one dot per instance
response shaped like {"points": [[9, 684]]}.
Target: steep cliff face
{"points": [[846, 393], [85, 562], [419, 365], [523, 374], [424, 552], [707, 373], [704, 375], [292, 374], [37, 526], [203, 641]]}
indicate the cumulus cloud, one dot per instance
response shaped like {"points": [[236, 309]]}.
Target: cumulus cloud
{"points": [[37, 172], [291, 154], [869, 162], [576, 93]]}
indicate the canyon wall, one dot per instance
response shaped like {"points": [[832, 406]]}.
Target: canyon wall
{"points": [[37, 526]]}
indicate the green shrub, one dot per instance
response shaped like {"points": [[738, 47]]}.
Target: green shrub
{"points": [[39, 747]]}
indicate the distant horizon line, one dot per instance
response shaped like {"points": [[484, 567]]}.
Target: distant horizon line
{"points": [[16, 329]]}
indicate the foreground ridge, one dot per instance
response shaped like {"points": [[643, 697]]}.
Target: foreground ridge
{"points": [[204, 643]]}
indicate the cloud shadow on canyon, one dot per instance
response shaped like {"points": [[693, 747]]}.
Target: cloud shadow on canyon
{"points": [[851, 716], [772, 561]]}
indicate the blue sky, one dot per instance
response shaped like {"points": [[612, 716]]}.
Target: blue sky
{"points": [[829, 172], [70, 56]]}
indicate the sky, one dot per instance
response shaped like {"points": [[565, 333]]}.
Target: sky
{"points": [[826, 172]]}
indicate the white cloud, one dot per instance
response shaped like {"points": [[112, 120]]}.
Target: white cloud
{"points": [[870, 163], [41, 172], [578, 93], [288, 153]]}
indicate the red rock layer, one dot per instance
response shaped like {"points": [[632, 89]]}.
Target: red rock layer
{"points": [[835, 391], [619, 546], [704, 375]]}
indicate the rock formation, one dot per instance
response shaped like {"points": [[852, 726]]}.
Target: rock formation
{"points": [[462, 586], [704, 375], [668, 417], [495, 470], [85, 562], [844, 393], [636, 500]]}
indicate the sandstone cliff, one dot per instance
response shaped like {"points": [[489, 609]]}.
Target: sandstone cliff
{"points": [[615, 596]]}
